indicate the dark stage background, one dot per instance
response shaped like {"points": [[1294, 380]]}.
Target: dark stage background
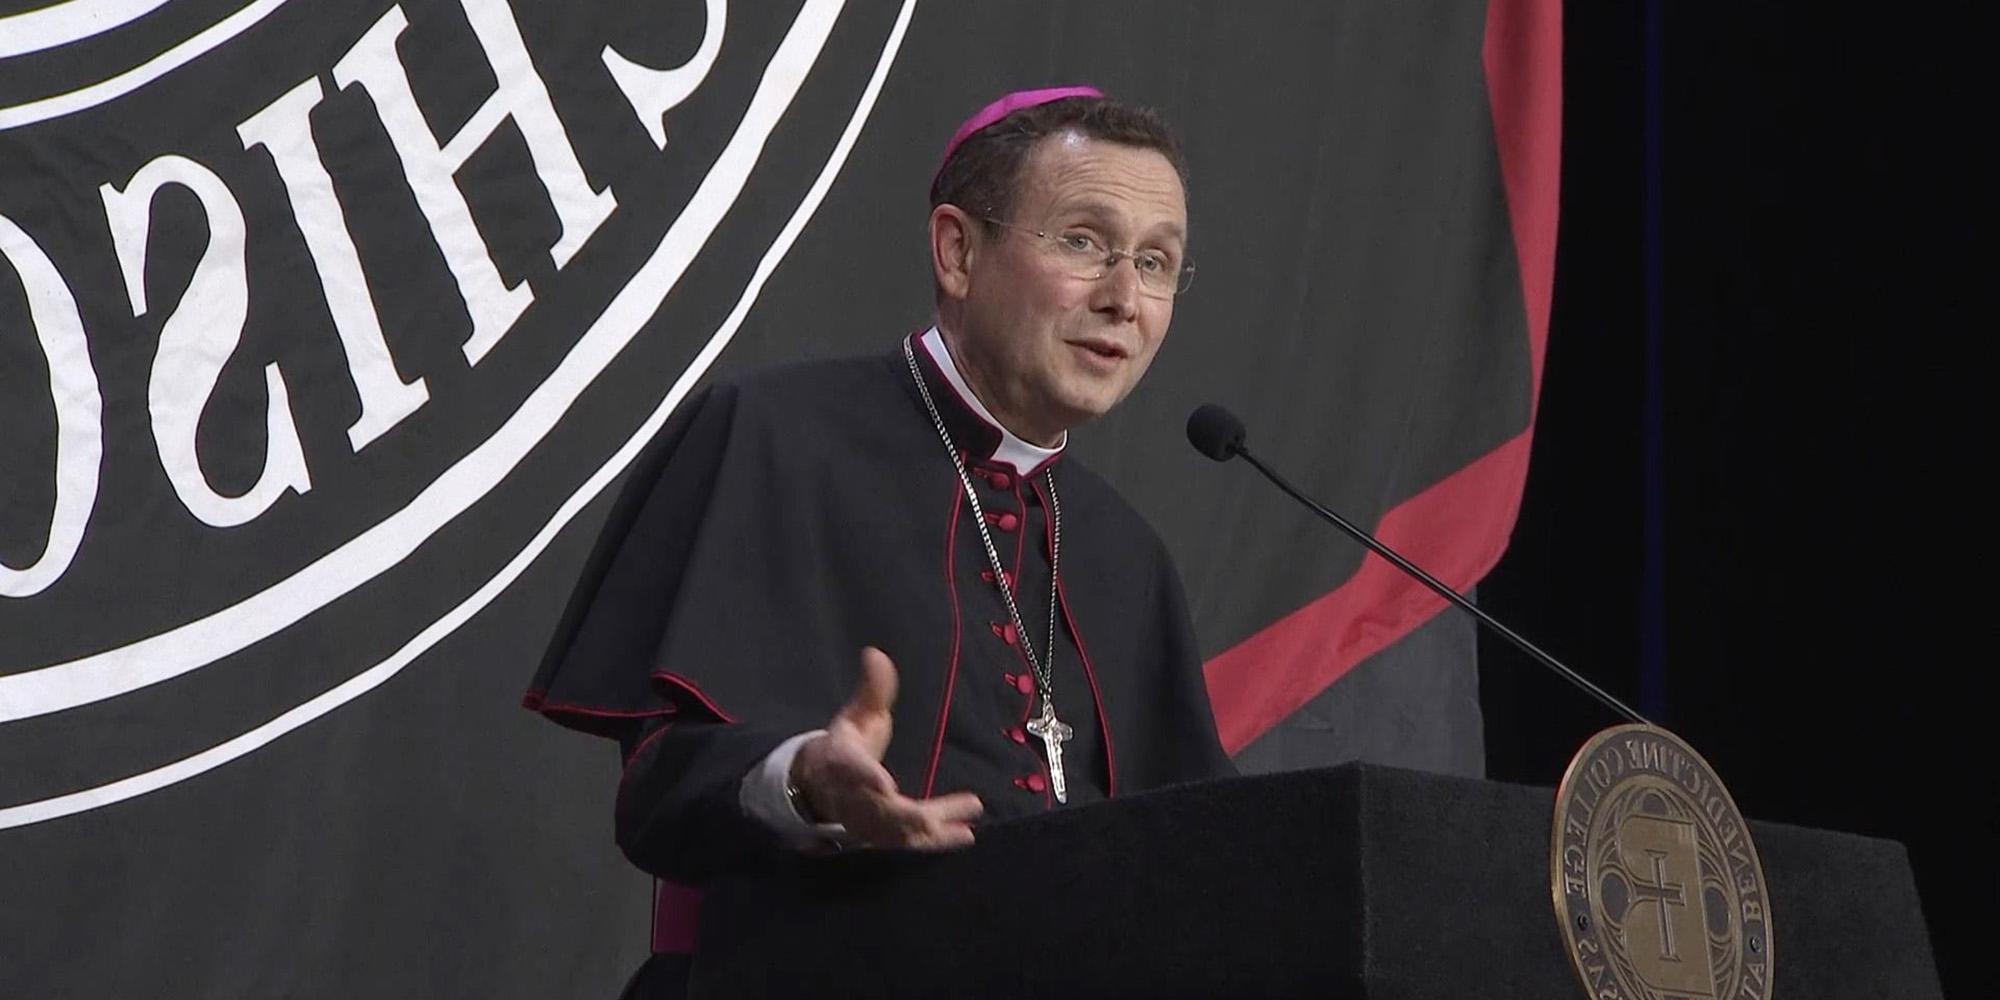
{"points": [[1798, 509]]}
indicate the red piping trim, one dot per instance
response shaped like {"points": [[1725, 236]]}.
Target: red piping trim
{"points": [[951, 677], [1103, 724], [1020, 548], [1020, 544], [534, 701], [676, 908], [1096, 696], [694, 689], [625, 767], [676, 918], [641, 748]]}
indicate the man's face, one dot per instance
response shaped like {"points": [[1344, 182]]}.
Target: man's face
{"points": [[1049, 348]]}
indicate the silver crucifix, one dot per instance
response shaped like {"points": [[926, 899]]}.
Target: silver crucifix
{"points": [[1053, 732]]}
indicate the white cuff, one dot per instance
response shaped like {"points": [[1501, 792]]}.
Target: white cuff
{"points": [[762, 795]]}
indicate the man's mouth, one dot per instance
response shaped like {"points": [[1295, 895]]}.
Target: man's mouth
{"points": [[1106, 349]]}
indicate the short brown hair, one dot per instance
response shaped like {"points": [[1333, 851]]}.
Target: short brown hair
{"points": [[984, 173]]}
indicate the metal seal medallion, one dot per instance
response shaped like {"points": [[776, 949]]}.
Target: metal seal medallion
{"points": [[1657, 885]]}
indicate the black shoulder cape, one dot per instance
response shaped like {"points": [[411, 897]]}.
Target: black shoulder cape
{"points": [[781, 522]]}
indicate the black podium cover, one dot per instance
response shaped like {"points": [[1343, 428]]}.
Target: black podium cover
{"points": [[1356, 881]]}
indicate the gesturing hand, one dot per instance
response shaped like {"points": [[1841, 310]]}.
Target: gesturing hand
{"points": [[843, 780]]}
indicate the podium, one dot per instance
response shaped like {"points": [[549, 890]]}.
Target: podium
{"points": [[1357, 881]]}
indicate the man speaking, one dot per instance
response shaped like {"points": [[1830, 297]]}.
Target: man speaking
{"points": [[869, 602]]}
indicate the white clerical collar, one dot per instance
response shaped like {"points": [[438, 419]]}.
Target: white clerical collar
{"points": [[1024, 457]]}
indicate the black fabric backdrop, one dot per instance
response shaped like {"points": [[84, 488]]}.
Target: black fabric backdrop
{"points": [[260, 731], [1811, 170]]}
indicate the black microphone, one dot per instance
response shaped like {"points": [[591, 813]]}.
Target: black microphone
{"points": [[1217, 433]]}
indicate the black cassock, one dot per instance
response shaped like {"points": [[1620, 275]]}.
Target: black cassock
{"points": [[787, 519]]}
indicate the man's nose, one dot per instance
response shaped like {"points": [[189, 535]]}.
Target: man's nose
{"points": [[1117, 292]]}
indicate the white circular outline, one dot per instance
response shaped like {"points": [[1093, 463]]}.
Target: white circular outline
{"points": [[139, 784]]}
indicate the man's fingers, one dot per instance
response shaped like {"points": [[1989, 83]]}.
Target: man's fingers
{"points": [[945, 823], [922, 824], [958, 807], [944, 839]]}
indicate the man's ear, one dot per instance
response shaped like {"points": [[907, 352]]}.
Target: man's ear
{"points": [[954, 245]]}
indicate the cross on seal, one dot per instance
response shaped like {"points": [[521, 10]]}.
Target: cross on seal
{"points": [[1666, 894]]}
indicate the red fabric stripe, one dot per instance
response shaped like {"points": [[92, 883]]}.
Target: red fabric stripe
{"points": [[1523, 56], [1261, 680], [1458, 528]]}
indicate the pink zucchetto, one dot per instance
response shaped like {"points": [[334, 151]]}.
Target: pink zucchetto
{"points": [[1008, 105]]}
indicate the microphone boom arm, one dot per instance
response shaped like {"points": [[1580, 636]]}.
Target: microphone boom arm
{"points": [[1443, 591]]}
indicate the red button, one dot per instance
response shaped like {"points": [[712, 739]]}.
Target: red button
{"points": [[1005, 521], [1000, 480], [1037, 783], [1017, 734], [1007, 633], [1024, 684]]}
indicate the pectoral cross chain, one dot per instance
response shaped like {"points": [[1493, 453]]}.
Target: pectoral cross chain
{"points": [[1053, 732]]}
